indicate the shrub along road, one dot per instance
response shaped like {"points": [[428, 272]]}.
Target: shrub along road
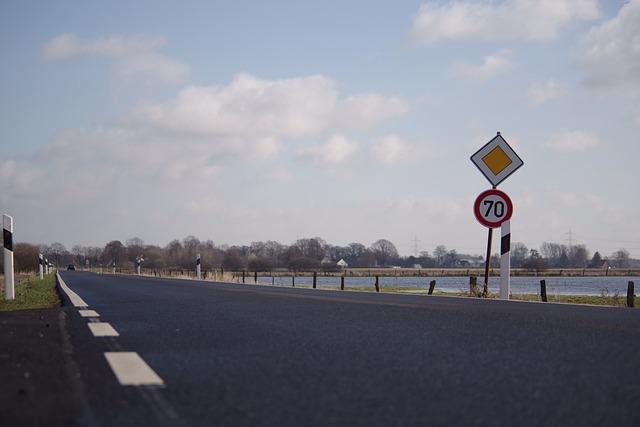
{"points": [[239, 355]]}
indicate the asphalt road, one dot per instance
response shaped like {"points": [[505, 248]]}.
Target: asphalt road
{"points": [[244, 355]]}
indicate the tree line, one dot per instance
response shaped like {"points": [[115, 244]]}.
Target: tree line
{"points": [[303, 254]]}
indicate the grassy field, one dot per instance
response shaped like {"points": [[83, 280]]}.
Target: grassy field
{"points": [[31, 293]]}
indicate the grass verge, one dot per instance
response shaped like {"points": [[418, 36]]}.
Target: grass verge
{"points": [[32, 293]]}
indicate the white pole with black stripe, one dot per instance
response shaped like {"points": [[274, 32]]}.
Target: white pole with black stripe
{"points": [[41, 262], [7, 235], [198, 266], [140, 259], [505, 260]]}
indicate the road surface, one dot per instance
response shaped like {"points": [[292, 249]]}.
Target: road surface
{"points": [[246, 355]]}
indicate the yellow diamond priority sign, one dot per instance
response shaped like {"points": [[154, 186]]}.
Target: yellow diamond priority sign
{"points": [[497, 160]]}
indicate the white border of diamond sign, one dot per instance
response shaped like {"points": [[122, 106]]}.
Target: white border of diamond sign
{"points": [[495, 179]]}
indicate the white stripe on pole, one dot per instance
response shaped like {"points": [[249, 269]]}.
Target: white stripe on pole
{"points": [[198, 266], [505, 260], [7, 235], [41, 262]]}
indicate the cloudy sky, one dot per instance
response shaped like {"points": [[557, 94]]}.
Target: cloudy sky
{"points": [[352, 121]]}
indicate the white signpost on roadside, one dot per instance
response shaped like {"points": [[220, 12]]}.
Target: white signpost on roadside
{"points": [[493, 208], [7, 237]]}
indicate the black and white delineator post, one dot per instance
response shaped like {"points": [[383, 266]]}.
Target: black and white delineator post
{"points": [[7, 235], [505, 259], [140, 259], [198, 266], [41, 262]]}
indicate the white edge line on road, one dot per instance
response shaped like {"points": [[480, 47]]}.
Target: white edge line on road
{"points": [[88, 313], [103, 330], [130, 369], [75, 298]]}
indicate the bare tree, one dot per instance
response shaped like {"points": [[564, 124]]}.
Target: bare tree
{"points": [[553, 252], [621, 258], [518, 254], [384, 250], [191, 247], [439, 254], [114, 253], [135, 248], [579, 256], [175, 253]]}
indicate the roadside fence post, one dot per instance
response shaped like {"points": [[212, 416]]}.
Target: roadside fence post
{"points": [[630, 295], [473, 286], [543, 290], [432, 286], [377, 284], [315, 275], [342, 282]]}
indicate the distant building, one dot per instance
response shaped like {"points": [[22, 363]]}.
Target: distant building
{"points": [[342, 263]]}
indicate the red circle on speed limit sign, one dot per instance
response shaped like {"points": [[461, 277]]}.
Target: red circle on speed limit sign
{"points": [[492, 208]]}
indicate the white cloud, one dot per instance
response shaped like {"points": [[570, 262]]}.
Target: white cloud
{"points": [[540, 93], [132, 55], [492, 66], [540, 20], [392, 149], [611, 56], [250, 106], [572, 141], [190, 155], [336, 150]]}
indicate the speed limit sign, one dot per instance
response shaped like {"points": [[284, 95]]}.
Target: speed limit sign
{"points": [[492, 208]]}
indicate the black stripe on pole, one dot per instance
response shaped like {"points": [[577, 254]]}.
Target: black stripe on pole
{"points": [[198, 261], [505, 244], [7, 236]]}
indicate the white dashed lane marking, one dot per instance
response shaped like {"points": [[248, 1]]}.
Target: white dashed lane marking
{"points": [[130, 369], [103, 330], [88, 313]]}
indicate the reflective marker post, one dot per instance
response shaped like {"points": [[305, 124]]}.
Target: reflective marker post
{"points": [[505, 259], [198, 266], [41, 262], [7, 235]]}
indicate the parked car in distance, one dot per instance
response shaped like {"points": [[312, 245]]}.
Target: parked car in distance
{"points": [[71, 267]]}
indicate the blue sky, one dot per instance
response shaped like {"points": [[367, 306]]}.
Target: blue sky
{"points": [[351, 121]]}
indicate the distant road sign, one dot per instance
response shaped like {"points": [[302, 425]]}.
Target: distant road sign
{"points": [[492, 208], [497, 160]]}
